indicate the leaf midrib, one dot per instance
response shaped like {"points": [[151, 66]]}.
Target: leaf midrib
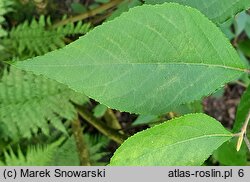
{"points": [[158, 63]]}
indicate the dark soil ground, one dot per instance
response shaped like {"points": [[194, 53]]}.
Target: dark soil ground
{"points": [[223, 109]]}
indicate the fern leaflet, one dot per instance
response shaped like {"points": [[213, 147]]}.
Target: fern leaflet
{"points": [[37, 38], [31, 103]]}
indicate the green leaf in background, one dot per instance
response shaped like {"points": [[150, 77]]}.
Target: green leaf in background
{"points": [[145, 119], [2, 33], [78, 7], [193, 107], [100, 110], [245, 79], [227, 154], [188, 140], [226, 28], [102, 1], [219, 93], [148, 60], [247, 26], [242, 110], [240, 23], [244, 46], [124, 7], [216, 10], [246, 62], [29, 102]]}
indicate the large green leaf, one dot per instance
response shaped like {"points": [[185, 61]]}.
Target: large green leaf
{"points": [[148, 60], [188, 140], [216, 10]]}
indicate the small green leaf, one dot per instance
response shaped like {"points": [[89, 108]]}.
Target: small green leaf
{"points": [[188, 108], [102, 1], [124, 7], [226, 28], [240, 23], [188, 140], [148, 60], [145, 119], [78, 7], [244, 46], [242, 110], [216, 10], [100, 110], [247, 28], [219, 93]]}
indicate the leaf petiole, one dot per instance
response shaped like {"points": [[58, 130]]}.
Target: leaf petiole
{"points": [[242, 134]]}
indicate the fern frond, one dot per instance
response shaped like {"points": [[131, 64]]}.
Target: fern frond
{"points": [[4, 8], [96, 145], [67, 154], [56, 155], [35, 156], [35, 39], [30, 103]]}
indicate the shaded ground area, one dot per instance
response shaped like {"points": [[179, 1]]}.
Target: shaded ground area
{"points": [[223, 109]]}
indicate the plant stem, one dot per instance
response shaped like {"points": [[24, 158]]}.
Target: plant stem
{"points": [[80, 143], [237, 134], [111, 120], [100, 126], [171, 115], [244, 127], [241, 84], [88, 14], [243, 131], [99, 19], [247, 71]]}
